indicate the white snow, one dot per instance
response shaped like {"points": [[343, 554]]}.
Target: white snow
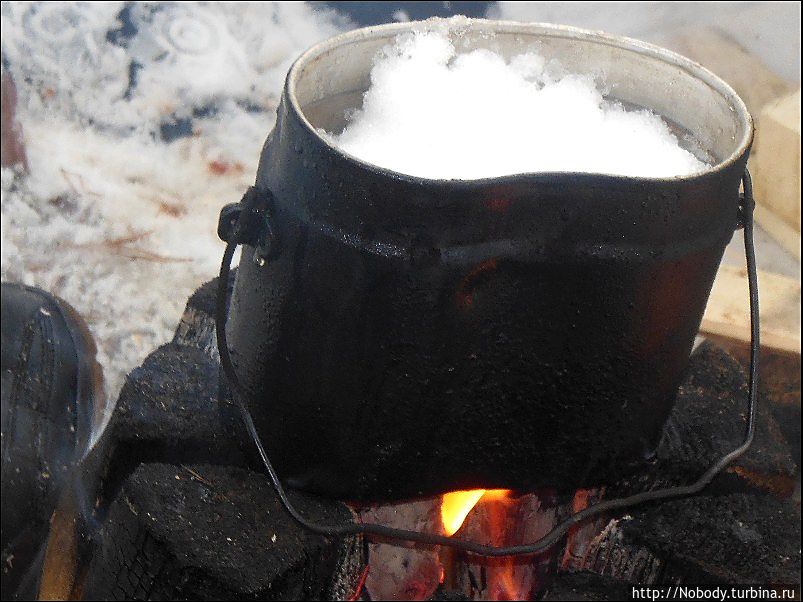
{"points": [[436, 113], [112, 218]]}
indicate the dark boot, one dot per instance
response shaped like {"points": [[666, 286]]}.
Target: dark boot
{"points": [[52, 401]]}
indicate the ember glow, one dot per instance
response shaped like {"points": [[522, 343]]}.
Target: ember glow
{"points": [[457, 504], [501, 518]]}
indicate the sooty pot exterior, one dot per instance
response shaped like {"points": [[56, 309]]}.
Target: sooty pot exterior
{"points": [[415, 336]]}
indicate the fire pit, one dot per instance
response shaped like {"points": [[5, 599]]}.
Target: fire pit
{"points": [[186, 511]]}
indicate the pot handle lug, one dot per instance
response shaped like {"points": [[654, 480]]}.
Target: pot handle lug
{"points": [[249, 222]]}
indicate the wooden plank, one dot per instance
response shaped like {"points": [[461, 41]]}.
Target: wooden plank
{"points": [[715, 50], [727, 313], [12, 143], [776, 107], [776, 165], [784, 234]]}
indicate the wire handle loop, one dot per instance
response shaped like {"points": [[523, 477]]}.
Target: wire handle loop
{"points": [[349, 529]]}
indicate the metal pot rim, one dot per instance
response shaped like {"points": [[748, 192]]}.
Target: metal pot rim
{"points": [[547, 29]]}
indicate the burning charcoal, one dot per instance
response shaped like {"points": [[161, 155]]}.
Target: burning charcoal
{"points": [[210, 532], [580, 536], [400, 571], [449, 595], [503, 519], [587, 586], [608, 554]]}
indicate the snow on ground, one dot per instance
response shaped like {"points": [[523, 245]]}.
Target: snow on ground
{"points": [[139, 122]]}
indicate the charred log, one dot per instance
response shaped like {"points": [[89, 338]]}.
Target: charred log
{"points": [[174, 407], [709, 420], [586, 586], [168, 411], [712, 539], [778, 386], [197, 326], [211, 532], [745, 528]]}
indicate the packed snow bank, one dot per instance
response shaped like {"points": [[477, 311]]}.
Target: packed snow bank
{"points": [[140, 121]]}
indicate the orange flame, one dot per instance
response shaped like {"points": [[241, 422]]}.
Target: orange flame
{"points": [[457, 504]]}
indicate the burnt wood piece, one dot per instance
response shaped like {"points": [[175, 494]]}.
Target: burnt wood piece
{"points": [[212, 532], [400, 570], [204, 299], [168, 411], [580, 536], [744, 528], [174, 408], [609, 554], [708, 420], [737, 538], [723, 539], [448, 595], [778, 384], [506, 521], [197, 325], [585, 586]]}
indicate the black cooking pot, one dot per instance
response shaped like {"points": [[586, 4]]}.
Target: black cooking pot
{"points": [[401, 336]]}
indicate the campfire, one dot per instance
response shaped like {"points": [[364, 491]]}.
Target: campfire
{"points": [[188, 513], [496, 517], [401, 359], [499, 518], [188, 492]]}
